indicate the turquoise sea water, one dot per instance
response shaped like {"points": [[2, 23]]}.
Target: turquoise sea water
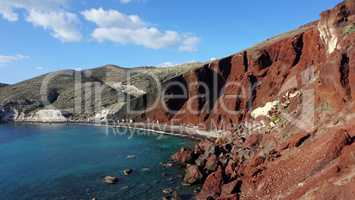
{"points": [[59, 161]]}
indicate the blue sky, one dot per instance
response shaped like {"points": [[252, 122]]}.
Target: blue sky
{"points": [[39, 36]]}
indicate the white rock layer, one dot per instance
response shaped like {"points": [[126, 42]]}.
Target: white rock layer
{"points": [[264, 111], [50, 115]]}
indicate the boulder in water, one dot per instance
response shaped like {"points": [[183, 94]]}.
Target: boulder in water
{"points": [[110, 180], [127, 172]]}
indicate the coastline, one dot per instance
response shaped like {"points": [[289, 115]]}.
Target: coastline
{"points": [[172, 130]]}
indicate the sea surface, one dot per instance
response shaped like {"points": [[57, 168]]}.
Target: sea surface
{"points": [[66, 161]]}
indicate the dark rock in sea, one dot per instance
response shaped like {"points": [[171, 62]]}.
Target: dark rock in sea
{"points": [[167, 191], [183, 156], [167, 165], [171, 195], [176, 196], [131, 156], [110, 179], [127, 172], [171, 180]]}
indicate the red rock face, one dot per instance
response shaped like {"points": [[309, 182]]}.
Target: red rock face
{"points": [[298, 88], [317, 57], [212, 185], [285, 174], [316, 60]]}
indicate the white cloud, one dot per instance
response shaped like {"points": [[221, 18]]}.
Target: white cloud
{"points": [[7, 13], [9, 59], [147, 37], [49, 15], [61, 24], [114, 26], [189, 44], [112, 18]]}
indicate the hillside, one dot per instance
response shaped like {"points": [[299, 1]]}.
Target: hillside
{"points": [[3, 84], [81, 95]]}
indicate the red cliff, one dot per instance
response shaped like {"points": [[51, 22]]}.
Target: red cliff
{"points": [[287, 106]]}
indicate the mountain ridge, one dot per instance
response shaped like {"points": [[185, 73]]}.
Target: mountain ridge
{"points": [[24, 99]]}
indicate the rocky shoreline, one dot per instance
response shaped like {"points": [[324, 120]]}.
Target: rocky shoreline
{"points": [[248, 169], [213, 165]]}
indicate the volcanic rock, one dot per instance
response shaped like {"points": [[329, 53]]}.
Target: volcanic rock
{"points": [[230, 169], [229, 188], [192, 175], [211, 163], [212, 185], [201, 160], [127, 172], [183, 156], [252, 141], [228, 197], [295, 141]]}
